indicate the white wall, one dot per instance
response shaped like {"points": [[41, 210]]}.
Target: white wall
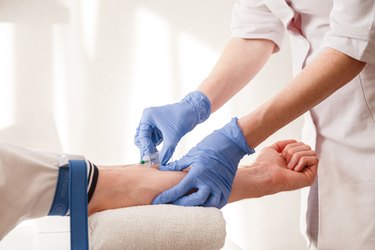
{"points": [[75, 76]]}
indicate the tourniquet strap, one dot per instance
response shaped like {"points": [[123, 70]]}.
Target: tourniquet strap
{"points": [[78, 205]]}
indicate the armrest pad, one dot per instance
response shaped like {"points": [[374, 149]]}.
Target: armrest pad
{"points": [[157, 227]]}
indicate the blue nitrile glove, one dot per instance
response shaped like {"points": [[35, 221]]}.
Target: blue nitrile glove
{"points": [[213, 164], [170, 123]]}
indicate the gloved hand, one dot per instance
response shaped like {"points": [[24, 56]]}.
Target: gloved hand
{"points": [[170, 123], [213, 164]]}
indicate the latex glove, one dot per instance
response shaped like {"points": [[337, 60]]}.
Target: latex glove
{"points": [[170, 123], [213, 164]]}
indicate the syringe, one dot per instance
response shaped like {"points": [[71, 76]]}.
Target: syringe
{"points": [[151, 160]]}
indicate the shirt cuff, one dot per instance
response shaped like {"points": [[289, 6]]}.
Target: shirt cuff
{"points": [[360, 49], [275, 37]]}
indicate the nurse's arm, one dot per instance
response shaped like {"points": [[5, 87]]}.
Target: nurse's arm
{"points": [[238, 64], [328, 72]]}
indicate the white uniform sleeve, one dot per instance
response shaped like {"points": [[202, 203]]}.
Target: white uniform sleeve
{"points": [[353, 29], [253, 19], [28, 181]]}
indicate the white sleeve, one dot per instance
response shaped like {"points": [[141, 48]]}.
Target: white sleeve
{"points": [[253, 19], [28, 181], [352, 24]]}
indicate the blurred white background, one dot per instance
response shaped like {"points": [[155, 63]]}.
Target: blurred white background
{"points": [[75, 76]]}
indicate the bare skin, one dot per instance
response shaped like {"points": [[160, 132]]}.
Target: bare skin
{"points": [[269, 174], [328, 72], [125, 186]]}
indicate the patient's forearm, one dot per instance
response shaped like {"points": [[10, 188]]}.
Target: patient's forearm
{"points": [[130, 186], [137, 185]]}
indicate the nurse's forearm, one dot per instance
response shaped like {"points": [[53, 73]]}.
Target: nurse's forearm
{"points": [[327, 73], [238, 64]]}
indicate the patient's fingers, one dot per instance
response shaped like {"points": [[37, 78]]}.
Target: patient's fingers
{"points": [[293, 148], [195, 199], [296, 157], [306, 161], [280, 145], [175, 192]]}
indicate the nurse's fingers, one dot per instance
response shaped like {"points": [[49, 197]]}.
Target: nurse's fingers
{"points": [[306, 161], [280, 145], [176, 192], [213, 200], [146, 139], [167, 152], [177, 165], [195, 199], [293, 148]]}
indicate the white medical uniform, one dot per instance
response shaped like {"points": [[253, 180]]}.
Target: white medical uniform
{"points": [[27, 183], [341, 203]]}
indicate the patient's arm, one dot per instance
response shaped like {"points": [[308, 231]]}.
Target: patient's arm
{"points": [[125, 186], [138, 185]]}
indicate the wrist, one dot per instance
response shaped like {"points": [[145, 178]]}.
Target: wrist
{"points": [[233, 131], [254, 128], [252, 182]]}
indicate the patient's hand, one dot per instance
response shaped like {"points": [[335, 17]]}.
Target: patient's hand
{"points": [[269, 174], [301, 159]]}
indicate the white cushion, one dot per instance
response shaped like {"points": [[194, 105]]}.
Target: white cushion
{"points": [[157, 227]]}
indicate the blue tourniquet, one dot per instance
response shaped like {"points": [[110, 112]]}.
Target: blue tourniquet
{"points": [[71, 193]]}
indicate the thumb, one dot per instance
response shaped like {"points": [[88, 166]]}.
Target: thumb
{"points": [[176, 165], [166, 152]]}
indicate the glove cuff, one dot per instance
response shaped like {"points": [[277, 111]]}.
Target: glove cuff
{"points": [[201, 104], [234, 133]]}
